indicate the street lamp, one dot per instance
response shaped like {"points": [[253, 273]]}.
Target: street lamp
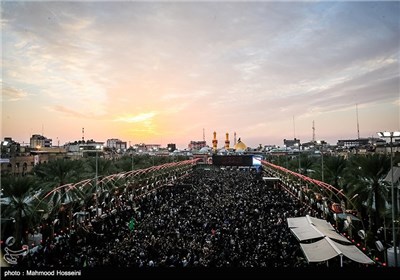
{"points": [[392, 135], [299, 146], [286, 155], [132, 159], [98, 147], [322, 159]]}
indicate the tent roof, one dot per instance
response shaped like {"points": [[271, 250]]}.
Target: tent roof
{"points": [[353, 253], [318, 251], [345, 215], [307, 228], [306, 233], [326, 249], [396, 175]]}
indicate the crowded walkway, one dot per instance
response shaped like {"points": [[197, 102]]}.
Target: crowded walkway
{"points": [[211, 218]]}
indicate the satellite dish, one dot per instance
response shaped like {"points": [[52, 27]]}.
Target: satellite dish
{"points": [[379, 246], [361, 234]]}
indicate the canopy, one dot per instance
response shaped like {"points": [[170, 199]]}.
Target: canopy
{"points": [[344, 216], [318, 251], [396, 175], [326, 249], [308, 228]]}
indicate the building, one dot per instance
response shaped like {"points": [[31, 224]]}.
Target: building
{"points": [[197, 145], [116, 144], [9, 148], [350, 143], [291, 143], [145, 148], [38, 141], [360, 142], [240, 146], [171, 147], [84, 148]]}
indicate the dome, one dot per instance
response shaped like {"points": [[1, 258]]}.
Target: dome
{"points": [[205, 150], [240, 146]]}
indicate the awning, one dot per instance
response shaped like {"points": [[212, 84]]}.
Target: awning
{"points": [[308, 228], [271, 178], [396, 175], [318, 251], [353, 253], [344, 216], [306, 233], [327, 249]]}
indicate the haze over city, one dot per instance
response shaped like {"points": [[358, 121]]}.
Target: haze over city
{"points": [[161, 72]]}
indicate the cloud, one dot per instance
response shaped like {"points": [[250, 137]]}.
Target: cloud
{"points": [[138, 118], [12, 94], [76, 114], [66, 111], [214, 64]]}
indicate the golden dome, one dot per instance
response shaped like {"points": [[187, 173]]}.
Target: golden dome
{"points": [[240, 146]]}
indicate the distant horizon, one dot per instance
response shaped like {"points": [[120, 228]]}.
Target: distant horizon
{"points": [[209, 142], [161, 72]]}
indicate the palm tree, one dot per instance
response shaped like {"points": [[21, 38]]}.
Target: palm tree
{"points": [[365, 175], [19, 201], [334, 167], [104, 167], [125, 163], [307, 164], [60, 171], [55, 174]]}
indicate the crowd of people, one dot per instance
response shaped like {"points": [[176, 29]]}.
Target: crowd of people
{"points": [[210, 218]]}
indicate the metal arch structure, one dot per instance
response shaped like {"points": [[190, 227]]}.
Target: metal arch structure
{"points": [[312, 185], [140, 178], [324, 187], [327, 189]]}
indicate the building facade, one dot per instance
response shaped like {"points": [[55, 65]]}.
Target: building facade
{"points": [[116, 144], [38, 141], [197, 145]]}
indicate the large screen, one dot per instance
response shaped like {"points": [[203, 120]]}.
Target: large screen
{"points": [[233, 160], [256, 160]]}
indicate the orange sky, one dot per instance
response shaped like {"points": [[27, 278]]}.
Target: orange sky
{"points": [[161, 72]]}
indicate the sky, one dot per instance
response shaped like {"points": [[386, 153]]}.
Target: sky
{"points": [[164, 72]]}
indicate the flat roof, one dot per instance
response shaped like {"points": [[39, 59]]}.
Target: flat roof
{"points": [[271, 179]]}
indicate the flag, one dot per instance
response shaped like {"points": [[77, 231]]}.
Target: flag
{"points": [[132, 224]]}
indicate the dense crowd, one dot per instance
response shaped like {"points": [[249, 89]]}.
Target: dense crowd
{"points": [[211, 218]]}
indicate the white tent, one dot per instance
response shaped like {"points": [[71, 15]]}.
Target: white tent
{"points": [[307, 228], [325, 246]]}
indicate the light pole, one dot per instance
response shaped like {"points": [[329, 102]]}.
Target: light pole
{"points": [[321, 150], [299, 145], [392, 135], [98, 147], [286, 155], [132, 160]]}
